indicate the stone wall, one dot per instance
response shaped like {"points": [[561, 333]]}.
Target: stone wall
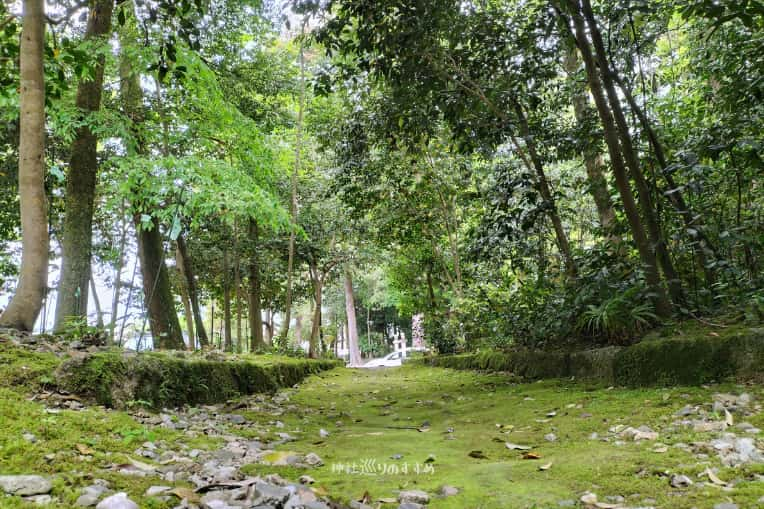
{"points": [[669, 361], [117, 379]]}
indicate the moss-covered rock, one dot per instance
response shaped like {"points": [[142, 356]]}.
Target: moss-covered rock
{"points": [[117, 379]]}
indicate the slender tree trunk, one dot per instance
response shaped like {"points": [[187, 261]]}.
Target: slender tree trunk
{"points": [[255, 309], [269, 326], [193, 295], [315, 330], [128, 303], [212, 321], [647, 255], [298, 330], [165, 327], [237, 283], [97, 302], [593, 161], [184, 296], [76, 245], [118, 274], [227, 343], [26, 303], [693, 222], [654, 232], [355, 353], [293, 199], [546, 193]]}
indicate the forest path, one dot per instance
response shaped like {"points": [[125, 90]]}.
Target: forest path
{"points": [[506, 444]]}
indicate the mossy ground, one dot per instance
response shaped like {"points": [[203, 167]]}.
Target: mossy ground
{"points": [[370, 403]]}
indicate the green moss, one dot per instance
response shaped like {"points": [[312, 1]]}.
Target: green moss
{"points": [[374, 407], [158, 380], [690, 359], [20, 367]]}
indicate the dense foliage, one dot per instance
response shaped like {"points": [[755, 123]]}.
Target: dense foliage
{"points": [[532, 173]]}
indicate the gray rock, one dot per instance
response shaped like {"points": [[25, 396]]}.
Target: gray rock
{"points": [[153, 491], [448, 491], [566, 503], [726, 505], [39, 499], [315, 505], [237, 419], [90, 495], [416, 496], [354, 504], [117, 501], [29, 437], [313, 459], [685, 411], [272, 495], [410, 505], [680, 481], [25, 485], [550, 437]]}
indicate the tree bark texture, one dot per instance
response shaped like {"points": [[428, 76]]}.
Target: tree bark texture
{"points": [[77, 241], [25, 306]]}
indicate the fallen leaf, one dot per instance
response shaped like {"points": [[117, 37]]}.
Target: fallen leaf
{"points": [[728, 418], [517, 447], [365, 498], [478, 455], [141, 465], [187, 494], [660, 449], [546, 467], [84, 449], [531, 456], [713, 478]]}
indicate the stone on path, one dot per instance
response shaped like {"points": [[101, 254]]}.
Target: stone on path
{"points": [[448, 491], [25, 485], [415, 496], [410, 505], [117, 501]]}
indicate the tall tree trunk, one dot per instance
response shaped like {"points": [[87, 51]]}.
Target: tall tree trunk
{"points": [[118, 274], [593, 161], [255, 310], [298, 330], [355, 353], [654, 232], [268, 326], [165, 327], [693, 222], [546, 193], [77, 242], [237, 283], [184, 296], [193, 295], [26, 303], [293, 199], [646, 253], [227, 343], [96, 302], [315, 329]]}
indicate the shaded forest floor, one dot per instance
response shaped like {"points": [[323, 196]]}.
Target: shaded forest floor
{"points": [[500, 443]]}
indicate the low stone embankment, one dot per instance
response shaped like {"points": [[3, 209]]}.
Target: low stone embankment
{"points": [[671, 361], [117, 379]]}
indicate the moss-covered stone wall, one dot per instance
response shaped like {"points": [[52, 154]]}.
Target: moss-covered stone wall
{"points": [[668, 361], [116, 379]]}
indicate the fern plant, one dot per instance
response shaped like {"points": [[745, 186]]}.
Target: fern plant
{"points": [[618, 319]]}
